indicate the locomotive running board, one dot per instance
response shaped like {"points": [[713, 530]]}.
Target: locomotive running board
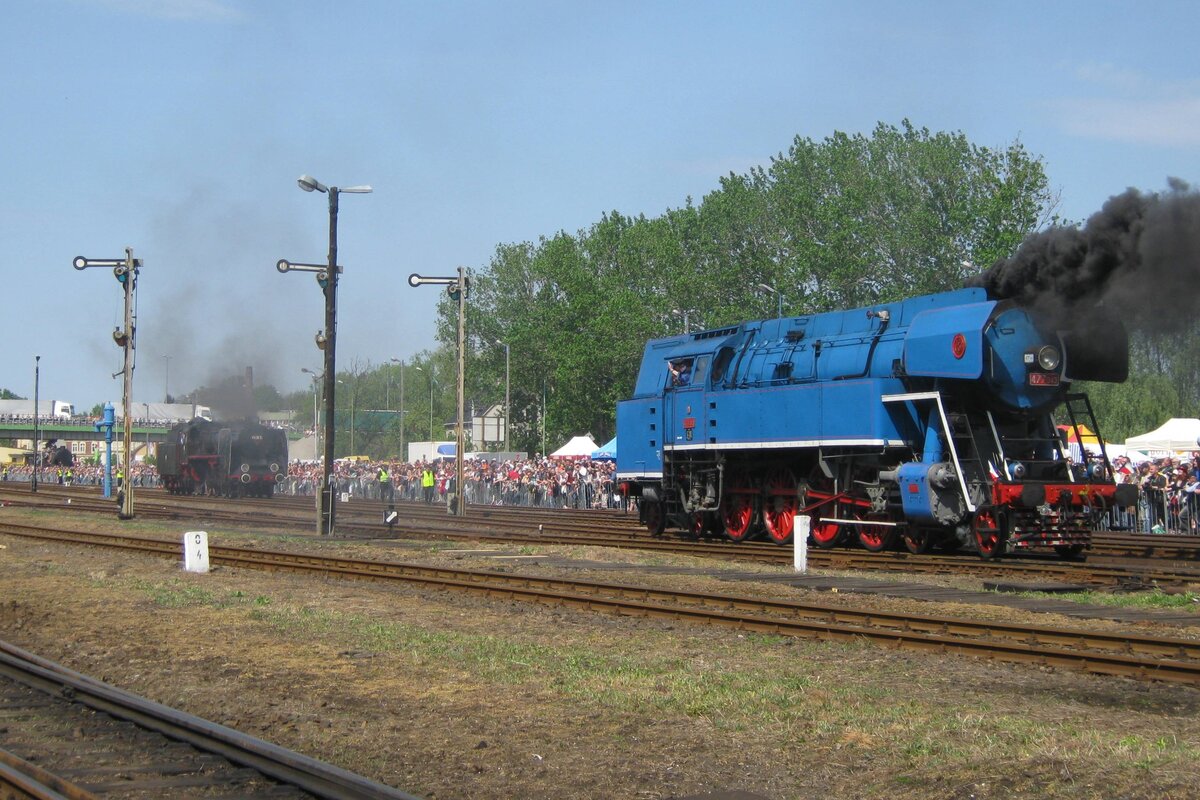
{"points": [[912, 397]]}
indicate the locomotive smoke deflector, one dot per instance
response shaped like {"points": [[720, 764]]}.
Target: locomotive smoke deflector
{"points": [[947, 342]]}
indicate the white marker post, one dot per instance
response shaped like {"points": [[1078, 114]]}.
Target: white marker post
{"points": [[800, 540], [195, 551]]}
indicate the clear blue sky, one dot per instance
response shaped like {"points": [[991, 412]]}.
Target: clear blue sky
{"points": [[179, 127]]}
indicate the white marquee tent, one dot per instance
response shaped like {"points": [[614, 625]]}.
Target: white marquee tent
{"points": [[578, 447], [1176, 435]]}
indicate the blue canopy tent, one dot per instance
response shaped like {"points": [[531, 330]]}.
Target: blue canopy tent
{"points": [[606, 452]]}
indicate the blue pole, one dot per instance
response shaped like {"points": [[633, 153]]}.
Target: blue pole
{"points": [[107, 423]]}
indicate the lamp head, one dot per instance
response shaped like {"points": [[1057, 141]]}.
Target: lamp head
{"points": [[308, 183]]}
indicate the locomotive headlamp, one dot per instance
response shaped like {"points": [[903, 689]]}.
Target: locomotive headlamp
{"points": [[1048, 358]]}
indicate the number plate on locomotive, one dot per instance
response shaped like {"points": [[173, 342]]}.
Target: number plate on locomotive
{"points": [[1043, 379]]}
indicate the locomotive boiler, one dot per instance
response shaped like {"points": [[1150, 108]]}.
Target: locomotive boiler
{"points": [[231, 459], [928, 421]]}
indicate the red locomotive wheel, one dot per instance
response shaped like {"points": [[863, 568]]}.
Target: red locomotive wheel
{"points": [[704, 522], [876, 538], [825, 534], [916, 540], [779, 509], [988, 527], [737, 514]]}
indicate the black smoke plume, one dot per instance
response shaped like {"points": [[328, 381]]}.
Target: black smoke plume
{"points": [[1134, 265]]}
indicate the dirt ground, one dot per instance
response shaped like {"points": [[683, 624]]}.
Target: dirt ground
{"points": [[456, 696]]}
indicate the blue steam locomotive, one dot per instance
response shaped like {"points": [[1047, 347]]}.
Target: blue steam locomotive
{"points": [[927, 421]]}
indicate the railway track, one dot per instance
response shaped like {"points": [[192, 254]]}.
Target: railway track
{"points": [[93, 740], [599, 529], [1141, 657]]}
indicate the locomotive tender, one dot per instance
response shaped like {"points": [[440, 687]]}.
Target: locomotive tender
{"points": [[927, 420], [233, 459]]}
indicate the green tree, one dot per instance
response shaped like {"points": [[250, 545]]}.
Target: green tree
{"points": [[1164, 382], [1141, 404], [848, 221]]}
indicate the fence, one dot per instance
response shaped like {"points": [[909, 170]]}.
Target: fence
{"points": [[1155, 512], [479, 492]]}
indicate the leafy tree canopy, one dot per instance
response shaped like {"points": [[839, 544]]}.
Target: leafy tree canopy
{"points": [[847, 221]]}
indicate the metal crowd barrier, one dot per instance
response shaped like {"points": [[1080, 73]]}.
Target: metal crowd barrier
{"points": [[1155, 512], [492, 493]]}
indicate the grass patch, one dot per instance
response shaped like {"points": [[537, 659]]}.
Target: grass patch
{"points": [[1153, 599], [176, 594], [785, 692], [179, 593]]}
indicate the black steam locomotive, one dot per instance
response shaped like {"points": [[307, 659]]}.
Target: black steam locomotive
{"points": [[230, 459]]}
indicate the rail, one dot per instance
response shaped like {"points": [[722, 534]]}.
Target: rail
{"points": [[1130, 655]]}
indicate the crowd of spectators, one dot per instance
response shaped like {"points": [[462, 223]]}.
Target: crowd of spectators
{"points": [[1168, 497], [543, 482], [78, 475], [1169, 491], [47, 419]]}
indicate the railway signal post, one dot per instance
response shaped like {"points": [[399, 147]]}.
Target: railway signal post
{"points": [[457, 288], [327, 279], [126, 272]]}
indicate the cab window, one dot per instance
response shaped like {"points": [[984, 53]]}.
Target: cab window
{"points": [[679, 372]]}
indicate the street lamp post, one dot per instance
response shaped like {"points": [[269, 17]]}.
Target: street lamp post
{"points": [[316, 377], [432, 382], [400, 361], [37, 456], [776, 292], [167, 379], [353, 401], [327, 279], [507, 396]]}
